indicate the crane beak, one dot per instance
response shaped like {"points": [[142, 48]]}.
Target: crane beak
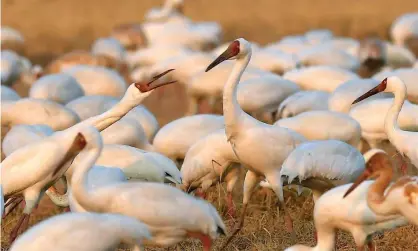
{"points": [[231, 51], [379, 88], [146, 87], [364, 176]]}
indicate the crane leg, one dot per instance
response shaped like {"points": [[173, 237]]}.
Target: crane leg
{"points": [[274, 180], [21, 224], [371, 245], [230, 205], [206, 240], [200, 193], [11, 205], [250, 182]]}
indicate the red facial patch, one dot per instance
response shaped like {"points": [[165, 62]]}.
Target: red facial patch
{"points": [[80, 140], [234, 48], [382, 85], [142, 87]]}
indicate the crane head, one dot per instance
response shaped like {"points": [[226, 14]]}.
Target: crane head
{"points": [[379, 88], [377, 165], [238, 48], [151, 85]]}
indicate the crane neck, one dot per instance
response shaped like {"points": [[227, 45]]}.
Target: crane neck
{"points": [[111, 116], [391, 120], [376, 198], [79, 187], [231, 108]]}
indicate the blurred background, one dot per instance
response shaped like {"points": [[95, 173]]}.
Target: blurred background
{"points": [[52, 27]]}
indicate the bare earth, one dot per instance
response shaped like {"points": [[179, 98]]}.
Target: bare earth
{"points": [[52, 27]]}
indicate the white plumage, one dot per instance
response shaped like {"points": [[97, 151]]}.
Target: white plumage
{"points": [[60, 88], [321, 78], [83, 232], [174, 139], [302, 101], [322, 125]]}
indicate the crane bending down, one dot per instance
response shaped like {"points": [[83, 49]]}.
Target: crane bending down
{"points": [[405, 142], [248, 135], [353, 215], [45, 161], [170, 214], [83, 232], [401, 197]]}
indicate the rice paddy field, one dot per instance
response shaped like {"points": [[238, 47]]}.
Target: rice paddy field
{"points": [[52, 27]]}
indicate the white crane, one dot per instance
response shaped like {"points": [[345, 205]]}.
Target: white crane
{"points": [[320, 78], [83, 232], [302, 101], [404, 27], [135, 94], [59, 87], [79, 58], [138, 164], [175, 138], [37, 111], [262, 95], [401, 197], [370, 114], [111, 82], [98, 176], [170, 214], [209, 160], [45, 161], [272, 60], [321, 165], [329, 56], [323, 125], [259, 146], [135, 165], [353, 215], [404, 141]]}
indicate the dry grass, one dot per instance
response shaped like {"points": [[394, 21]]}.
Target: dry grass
{"points": [[52, 27]]}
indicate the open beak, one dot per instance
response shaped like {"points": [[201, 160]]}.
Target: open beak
{"points": [[146, 87], [227, 54], [364, 176]]}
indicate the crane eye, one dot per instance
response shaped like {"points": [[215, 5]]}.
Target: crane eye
{"points": [[167, 174]]}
